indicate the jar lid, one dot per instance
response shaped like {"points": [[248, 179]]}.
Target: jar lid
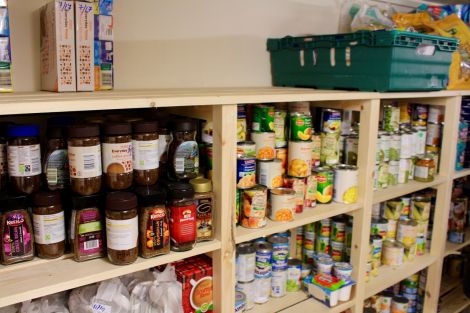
{"points": [[184, 125], [117, 129], [25, 130], [84, 130], [145, 127], [56, 132], [201, 184], [47, 198], [150, 195], [12, 202], [84, 202], [60, 120], [121, 201], [178, 190]]}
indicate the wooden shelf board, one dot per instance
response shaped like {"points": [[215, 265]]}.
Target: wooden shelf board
{"points": [[313, 305], [403, 189], [462, 173], [317, 213], [57, 275], [454, 247], [390, 275], [448, 283], [455, 301]]}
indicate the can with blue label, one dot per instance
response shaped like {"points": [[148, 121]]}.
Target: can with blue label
{"points": [[263, 257], [240, 302], [280, 252], [246, 172], [331, 121]]}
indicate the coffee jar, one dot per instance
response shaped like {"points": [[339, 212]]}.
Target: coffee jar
{"points": [[145, 152]]}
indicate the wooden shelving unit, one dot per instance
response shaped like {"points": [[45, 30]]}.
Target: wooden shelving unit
{"points": [[41, 277], [454, 247], [455, 301]]}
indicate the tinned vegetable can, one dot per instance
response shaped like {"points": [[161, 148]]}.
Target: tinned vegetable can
{"points": [[254, 207], [298, 185], [264, 145], [300, 127], [279, 283], [392, 253], [345, 184], [246, 149], [263, 118], [246, 172], [391, 117], [245, 262], [282, 204], [351, 149], [323, 227], [379, 152], [325, 181], [395, 146], [379, 227], [322, 244], [280, 252], [393, 172], [316, 150], [382, 175], [269, 173], [338, 230], [404, 170], [406, 145], [248, 289], [329, 154], [240, 302], [420, 209], [294, 270], [399, 305], [280, 117], [263, 259], [241, 123], [407, 232], [299, 158], [421, 133], [311, 192]]}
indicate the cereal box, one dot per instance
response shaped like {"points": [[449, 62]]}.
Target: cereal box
{"points": [[104, 27], [195, 275], [103, 7], [84, 45], [58, 46], [104, 79]]}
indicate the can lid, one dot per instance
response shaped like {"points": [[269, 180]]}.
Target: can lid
{"points": [[245, 248], [201, 184], [245, 143], [421, 199], [278, 239], [47, 198], [240, 296], [345, 167], [402, 300], [282, 191], [263, 246]]}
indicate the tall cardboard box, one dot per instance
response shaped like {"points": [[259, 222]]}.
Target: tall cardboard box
{"points": [[84, 45], [58, 46]]}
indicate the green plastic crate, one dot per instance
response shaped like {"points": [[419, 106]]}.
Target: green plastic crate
{"points": [[365, 60]]}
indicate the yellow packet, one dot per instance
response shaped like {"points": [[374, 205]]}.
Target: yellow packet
{"points": [[419, 21]]}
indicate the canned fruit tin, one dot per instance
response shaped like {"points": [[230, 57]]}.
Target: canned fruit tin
{"points": [[279, 283], [282, 204], [382, 175], [246, 149], [299, 158], [264, 145], [245, 261], [254, 205], [337, 251], [300, 127], [240, 302], [391, 117], [329, 154], [248, 289], [393, 209], [241, 129], [405, 113], [270, 173], [331, 121], [436, 114], [325, 180], [379, 227], [263, 259], [338, 230], [311, 192], [280, 127], [324, 227], [391, 229], [399, 305], [407, 232], [351, 149], [263, 118], [294, 275], [316, 150], [322, 244], [406, 206], [281, 154], [392, 253], [379, 152], [376, 241], [246, 172], [420, 208], [298, 185], [345, 184], [393, 172], [280, 252], [420, 113], [385, 145], [433, 135]]}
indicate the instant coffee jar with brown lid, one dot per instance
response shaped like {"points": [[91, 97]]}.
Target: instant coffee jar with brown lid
{"points": [[122, 227], [49, 224], [184, 151], [84, 151], [117, 155], [145, 152]]}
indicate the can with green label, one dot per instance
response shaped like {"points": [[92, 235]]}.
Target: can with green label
{"points": [[325, 180], [263, 118], [300, 127]]}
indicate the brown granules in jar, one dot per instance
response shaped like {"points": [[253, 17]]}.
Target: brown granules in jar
{"points": [[145, 152]]}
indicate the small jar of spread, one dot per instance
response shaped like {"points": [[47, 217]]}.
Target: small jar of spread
{"points": [[56, 161], [182, 207], [24, 158], [154, 223], [16, 230], [122, 227], [49, 224], [204, 205], [425, 168], [184, 151], [84, 151], [117, 155], [145, 155]]}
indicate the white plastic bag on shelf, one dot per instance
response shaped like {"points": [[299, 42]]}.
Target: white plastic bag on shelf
{"points": [[80, 299], [131, 280], [54, 303], [373, 17], [140, 301], [166, 292], [112, 297], [10, 309]]}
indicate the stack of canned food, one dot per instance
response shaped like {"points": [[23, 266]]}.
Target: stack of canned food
{"points": [[287, 166], [406, 296], [463, 144], [458, 215], [408, 145], [399, 230]]}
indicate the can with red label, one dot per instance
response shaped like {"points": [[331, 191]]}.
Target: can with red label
{"points": [[298, 185]]}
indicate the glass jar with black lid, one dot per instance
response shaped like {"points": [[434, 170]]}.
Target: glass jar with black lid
{"points": [[184, 150]]}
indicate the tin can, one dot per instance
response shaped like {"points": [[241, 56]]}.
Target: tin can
{"points": [[434, 133], [240, 302], [311, 192], [300, 107], [393, 209], [348, 234], [322, 244], [263, 258], [395, 146], [391, 229], [282, 204], [331, 121], [379, 227], [246, 149], [246, 172], [341, 143], [279, 283], [412, 168], [376, 208], [324, 265], [351, 148], [248, 289], [436, 114], [393, 172], [325, 181], [337, 251], [263, 118], [399, 305], [420, 113], [338, 230], [382, 175], [324, 227], [405, 113], [379, 152], [404, 170], [406, 233], [422, 228], [262, 289], [298, 185], [316, 150], [406, 145], [420, 246], [420, 133], [264, 144], [308, 243], [392, 253], [238, 198], [294, 274], [245, 262], [299, 158], [280, 117], [345, 184], [391, 117], [281, 154], [300, 127], [329, 154], [376, 241], [269, 173], [254, 206], [342, 270], [280, 252], [386, 143], [241, 123], [420, 208], [406, 201], [385, 299]]}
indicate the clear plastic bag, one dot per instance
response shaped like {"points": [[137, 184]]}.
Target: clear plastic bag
{"points": [[373, 17], [166, 292], [80, 299], [55, 303], [112, 297]]}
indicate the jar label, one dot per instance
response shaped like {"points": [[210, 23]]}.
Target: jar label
{"points": [[157, 233], [89, 230], [57, 168], [422, 172], [204, 219], [24, 160], [145, 154], [16, 235], [117, 157], [186, 159], [3, 159], [85, 162], [49, 228], [163, 145], [183, 224], [122, 234]]}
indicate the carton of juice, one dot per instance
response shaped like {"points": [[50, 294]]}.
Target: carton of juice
{"points": [[84, 45]]}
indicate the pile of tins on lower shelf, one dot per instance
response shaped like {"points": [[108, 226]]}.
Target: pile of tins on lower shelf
{"points": [[463, 144], [459, 219], [267, 267], [184, 286], [115, 187]]}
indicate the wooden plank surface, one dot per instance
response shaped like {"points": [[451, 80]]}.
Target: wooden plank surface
{"points": [[455, 301], [454, 247]]}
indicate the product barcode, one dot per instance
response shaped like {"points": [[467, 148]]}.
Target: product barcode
{"points": [[5, 79], [51, 174], [107, 78], [35, 165], [92, 244], [179, 165], [89, 161]]}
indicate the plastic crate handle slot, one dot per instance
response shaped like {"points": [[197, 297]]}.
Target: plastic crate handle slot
{"points": [[425, 50], [302, 58], [333, 56]]}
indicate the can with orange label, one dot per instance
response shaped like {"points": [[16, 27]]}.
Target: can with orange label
{"points": [[299, 158], [270, 173], [264, 145], [281, 154], [282, 204]]}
